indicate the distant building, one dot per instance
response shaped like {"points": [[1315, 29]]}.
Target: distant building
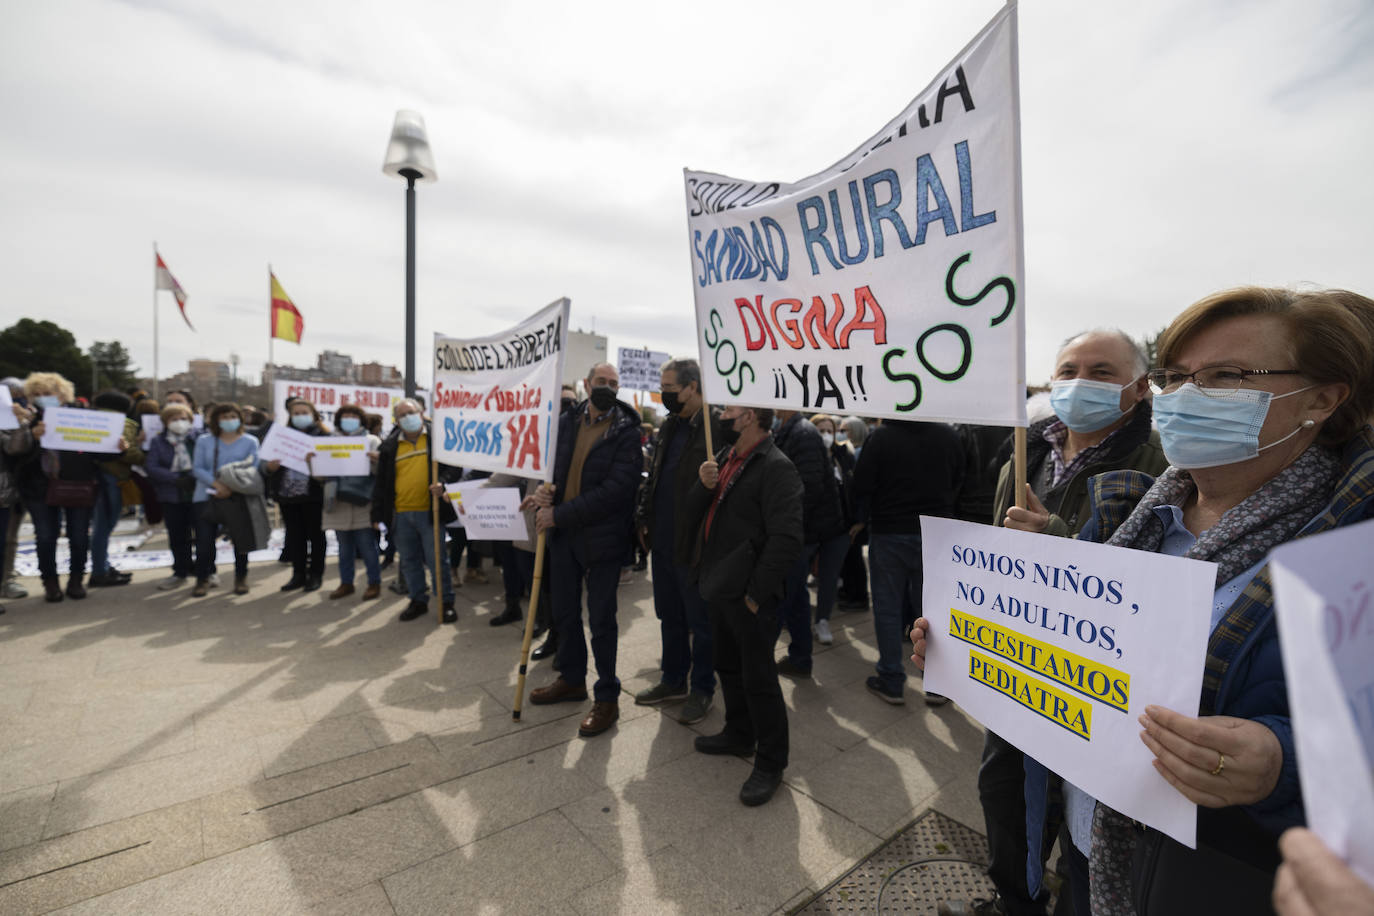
{"points": [[337, 366], [584, 351], [379, 376]]}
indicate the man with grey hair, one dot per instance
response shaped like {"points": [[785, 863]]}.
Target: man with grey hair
{"points": [[1101, 422], [663, 528]]}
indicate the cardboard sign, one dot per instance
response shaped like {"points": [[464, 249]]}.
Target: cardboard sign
{"points": [[340, 456], [7, 418], [891, 283], [488, 513], [496, 398], [1058, 646], [287, 445], [69, 429], [1324, 602]]}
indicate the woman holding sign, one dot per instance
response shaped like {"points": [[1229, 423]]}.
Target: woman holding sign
{"points": [[348, 510], [169, 464], [1263, 399], [301, 500]]}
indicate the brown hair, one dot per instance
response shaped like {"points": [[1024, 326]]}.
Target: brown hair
{"points": [[297, 402], [174, 410], [352, 410], [220, 410], [1330, 334]]}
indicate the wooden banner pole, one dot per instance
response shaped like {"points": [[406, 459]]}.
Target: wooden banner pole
{"points": [[529, 622], [434, 501], [1019, 458], [706, 424]]}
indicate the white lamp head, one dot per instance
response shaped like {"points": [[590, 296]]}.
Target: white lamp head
{"points": [[409, 148]]}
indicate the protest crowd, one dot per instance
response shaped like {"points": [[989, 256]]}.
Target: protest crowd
{"points": [[1251, 430]]}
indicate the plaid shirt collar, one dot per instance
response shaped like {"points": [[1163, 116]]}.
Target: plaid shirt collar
{"points": [[1056, 434]]}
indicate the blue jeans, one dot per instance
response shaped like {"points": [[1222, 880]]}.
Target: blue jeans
{"points": [[414, 534], [832, 554], [569, 569], [180, 519], [685, 624], [352, 544], [109, 503], [47, 525], [895, 577], [795, 610]]}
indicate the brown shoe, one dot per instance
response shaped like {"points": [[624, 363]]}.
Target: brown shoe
{"points": [[372, 591], [240, 585], [560, 691], [343, 591], [602, 717], [202, 588]]}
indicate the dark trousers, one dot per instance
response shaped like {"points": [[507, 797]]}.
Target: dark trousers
{"points": [[570, 569], [742, 644], [1002, 791], [684, 624], [47, 525], [207, 535], [304, 538], [854, 573], [512, 578], [795, 611], [180, 519]]}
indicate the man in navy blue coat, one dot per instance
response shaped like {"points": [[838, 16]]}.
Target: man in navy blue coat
{"points": [[588, 515]]}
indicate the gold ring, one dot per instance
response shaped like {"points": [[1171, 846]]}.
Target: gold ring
{"points": [[1221, 764]]}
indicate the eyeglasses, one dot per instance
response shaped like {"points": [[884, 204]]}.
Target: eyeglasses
{"points": [[1216, 381]]}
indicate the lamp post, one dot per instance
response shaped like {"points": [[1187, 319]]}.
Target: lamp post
{"points": [[408, 156], [234, 379]]}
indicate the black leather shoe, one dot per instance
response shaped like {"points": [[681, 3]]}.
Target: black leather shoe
{"points": [[295, 583], [511, 614], [547, 649], [723, 744], [415, 610], [311, 584], [75, 590], [450, 615], [759, 787]]}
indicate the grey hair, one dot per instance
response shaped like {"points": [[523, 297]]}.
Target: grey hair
{"points": [[419, 408], [856, 429], [1139, 361], [686, 369]]}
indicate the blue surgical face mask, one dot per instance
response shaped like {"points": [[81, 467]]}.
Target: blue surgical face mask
{"points": [[48, 400], [1085, 406], [229, 424], [411, 422], [1198, 430], [301, 420], [350, 424]]}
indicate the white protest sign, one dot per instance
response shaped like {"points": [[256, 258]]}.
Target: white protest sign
{"points": [[1058, 646], [340, 456], [488, 513], [497, 398], [7, 418], [70, 429], [328, 398], [287, 445], [889, 284], [152, 427], [1324, 601], [639, 369]]}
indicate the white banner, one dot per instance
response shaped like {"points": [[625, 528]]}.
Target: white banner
{"points": [[889, 284], [7, 418], [496, 398], [1324, 601], [1058, 646], [70, 429], [639, 369], [340, 456], [287, 445], [328, 398], [488, 513]]}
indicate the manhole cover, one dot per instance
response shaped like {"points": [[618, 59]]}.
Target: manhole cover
{"points": [[933, 859]]}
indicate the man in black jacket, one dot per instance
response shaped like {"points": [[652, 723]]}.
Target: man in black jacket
{"points": [[749, 515], [822, 519], [907, 469], [662, 526], [401, 499], [590, 511]]}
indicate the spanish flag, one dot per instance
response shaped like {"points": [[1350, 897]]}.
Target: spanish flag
{"points": [[286, 322]]}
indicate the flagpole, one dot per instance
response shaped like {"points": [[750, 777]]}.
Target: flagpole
{"points": [[271, 339], [157, 377]]}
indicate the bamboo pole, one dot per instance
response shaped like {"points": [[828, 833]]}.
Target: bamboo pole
{"points": [[535, 588], [706, 423], [1019, 465]]}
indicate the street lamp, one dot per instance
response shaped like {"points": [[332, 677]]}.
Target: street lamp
{"points": [[408, 156], [234, 380]]}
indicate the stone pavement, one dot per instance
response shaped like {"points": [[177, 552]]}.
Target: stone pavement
{"points": [[287, 753]]}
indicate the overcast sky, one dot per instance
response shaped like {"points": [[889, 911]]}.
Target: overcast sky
{"points": [[1170, 149]]}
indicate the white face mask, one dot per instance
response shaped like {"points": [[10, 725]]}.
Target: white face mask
{"points": [[828, 439], [179, 427]]}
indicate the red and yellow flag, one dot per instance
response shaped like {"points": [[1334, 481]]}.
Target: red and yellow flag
{"points": [[286, 321]]}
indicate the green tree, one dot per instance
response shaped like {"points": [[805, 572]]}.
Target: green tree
{"points": [[113, 367], [41, 346]]}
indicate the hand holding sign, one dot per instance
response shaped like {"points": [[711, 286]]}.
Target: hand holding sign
{"points": [[1214, 761]]}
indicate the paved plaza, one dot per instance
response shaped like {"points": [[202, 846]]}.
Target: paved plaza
{"points": [[284, 753]]}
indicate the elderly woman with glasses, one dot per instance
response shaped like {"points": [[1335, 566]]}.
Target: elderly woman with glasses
{"points": [[1263, 399]]}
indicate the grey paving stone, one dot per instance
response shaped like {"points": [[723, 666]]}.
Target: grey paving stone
{"points": [[664, 883], [322, 741], [367, 901], [23, 814], [70, 756], [533, 867]]}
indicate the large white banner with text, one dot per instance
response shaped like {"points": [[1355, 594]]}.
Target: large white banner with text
{"points": [[1058, 646], [328, 397], [889, 284], [497, 398]]}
